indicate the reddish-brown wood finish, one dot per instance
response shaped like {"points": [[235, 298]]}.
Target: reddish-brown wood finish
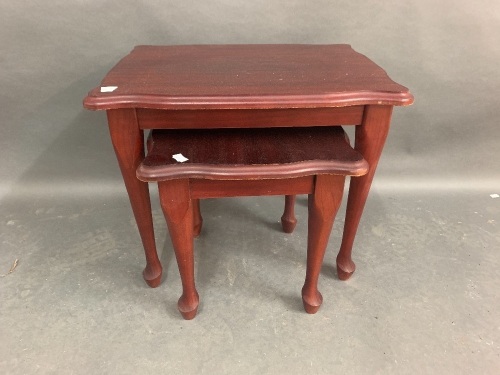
{"points": [[246, 76], [249, 118], [270, 148], [323, 205], [288, 219], [201, 188], [197, 219], [245, 86], [370, 139], [177, 204], [267, 153], [178, 210], [128, 142]]}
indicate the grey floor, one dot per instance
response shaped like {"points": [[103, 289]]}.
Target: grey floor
{"points": [[424, 299]]}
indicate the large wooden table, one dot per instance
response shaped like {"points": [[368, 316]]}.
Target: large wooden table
{"points": [[245, 86]]}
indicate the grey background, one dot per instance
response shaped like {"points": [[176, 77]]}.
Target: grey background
{"points": [[429, 239]]}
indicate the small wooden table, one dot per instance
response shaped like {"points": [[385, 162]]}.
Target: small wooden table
{"points": [[220, 163], [245, 86]]}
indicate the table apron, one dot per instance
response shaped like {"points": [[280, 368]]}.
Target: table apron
{"points": [[203, 188], [248, 118]]}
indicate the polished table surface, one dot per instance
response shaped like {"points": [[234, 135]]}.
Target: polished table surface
{"points": [[246, 76], [245, 86]]}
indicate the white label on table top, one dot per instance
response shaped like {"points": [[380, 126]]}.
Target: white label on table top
{"points": [[494, 195], [108, 88], [180, 158]]}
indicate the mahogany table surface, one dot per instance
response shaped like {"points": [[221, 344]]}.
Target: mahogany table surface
{"points": [[262, 153], [245, 86], [246, 76]]}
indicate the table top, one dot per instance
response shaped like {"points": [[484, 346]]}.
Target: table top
{"points": [[245, 77], [249, 154]]}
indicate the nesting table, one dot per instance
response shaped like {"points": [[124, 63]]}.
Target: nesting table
{"points": [[245, 86]]}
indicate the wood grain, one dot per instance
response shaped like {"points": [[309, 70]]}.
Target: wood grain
{"points": [[246, 76], [247, 86], [323, 205], [202, 188], [270, 153], [178, 210], [128, 142], [236, 162], [249, 118], [369, 141]]}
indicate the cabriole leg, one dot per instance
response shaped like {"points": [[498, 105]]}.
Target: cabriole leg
{"points": [[323, 205], [370, 139], [288, 220], [178, 210], [128, 142], [197, 218]]}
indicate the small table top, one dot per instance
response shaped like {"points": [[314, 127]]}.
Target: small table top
{"points": [[245, 77], [245, 154]]}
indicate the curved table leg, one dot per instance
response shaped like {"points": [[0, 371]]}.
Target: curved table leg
{"points": [[197, 218], [370, 139], [323, 205], [288, 220], [128, 142], [178, 210]]}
